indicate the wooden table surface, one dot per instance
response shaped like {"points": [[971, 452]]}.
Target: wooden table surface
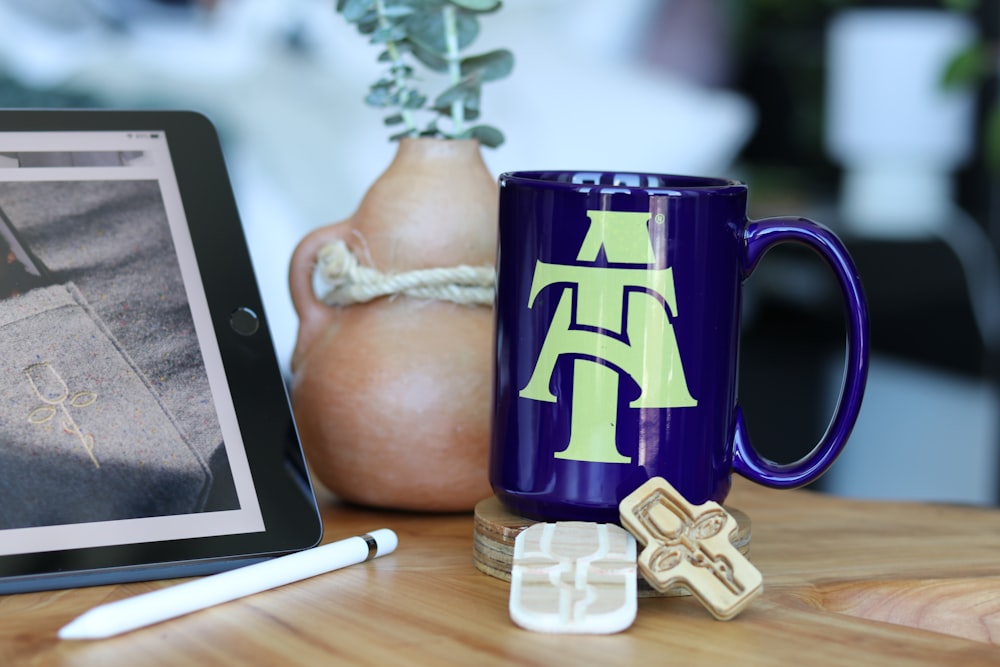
{"points": [[846, 583]]}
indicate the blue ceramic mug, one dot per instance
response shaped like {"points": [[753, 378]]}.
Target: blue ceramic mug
{"points": [[617, 332]]}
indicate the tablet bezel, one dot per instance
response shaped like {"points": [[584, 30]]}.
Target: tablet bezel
{"points": [[284, 491]]}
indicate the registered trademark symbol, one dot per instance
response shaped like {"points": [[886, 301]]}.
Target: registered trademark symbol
{"points": [[660, 219]]}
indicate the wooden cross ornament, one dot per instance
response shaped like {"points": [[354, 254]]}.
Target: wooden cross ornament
{"points": [[689, 545]]}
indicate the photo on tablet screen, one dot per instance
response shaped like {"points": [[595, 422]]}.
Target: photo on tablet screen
{"points": [[116, 421]]}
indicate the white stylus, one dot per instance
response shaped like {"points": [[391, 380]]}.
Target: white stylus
{"points": [[142, 610]]}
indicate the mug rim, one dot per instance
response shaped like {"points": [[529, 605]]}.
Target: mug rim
{"points": [[621, 180]]}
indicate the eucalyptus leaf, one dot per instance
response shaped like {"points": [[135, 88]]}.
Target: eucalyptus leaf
{"points": [[433, 61], [401, 135], [388, 33], [472, 114], [477, 5], [378, 97], [460, 92], [487, 135], [413, 100], [400, 71], [368, 24], [353, 10], [428, 30], [397, 11], [490, 66], [431, 130], [396, 59], [425, 6], [469, 102], [470, 108], [420, 5]]}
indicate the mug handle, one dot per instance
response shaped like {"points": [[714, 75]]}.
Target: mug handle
{"points": [[760, 236]]}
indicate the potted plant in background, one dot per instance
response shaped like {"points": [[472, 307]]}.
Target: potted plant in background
{"points": [[972, 67], [390, 374]]}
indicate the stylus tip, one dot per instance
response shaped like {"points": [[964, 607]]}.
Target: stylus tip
{"points": [[386, 539]]}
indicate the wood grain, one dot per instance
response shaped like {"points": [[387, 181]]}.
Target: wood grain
{"points": [[846, 583]]}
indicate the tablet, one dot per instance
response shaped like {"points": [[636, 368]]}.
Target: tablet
{"points": [[145, 429]]}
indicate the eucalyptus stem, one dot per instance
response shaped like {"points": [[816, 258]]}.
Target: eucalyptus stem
{"points": [[435, 35], [454, 66], [397, 67]]}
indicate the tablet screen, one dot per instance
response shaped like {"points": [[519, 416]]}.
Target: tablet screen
{"points": [[109, 430], [118, 423]]}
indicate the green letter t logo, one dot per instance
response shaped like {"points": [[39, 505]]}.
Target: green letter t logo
{"points": [[646, 350]]}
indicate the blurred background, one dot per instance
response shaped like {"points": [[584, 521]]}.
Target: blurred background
{"points": [[879, 118]]}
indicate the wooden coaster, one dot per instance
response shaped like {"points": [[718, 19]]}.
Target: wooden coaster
{"points": [[496, 529]]}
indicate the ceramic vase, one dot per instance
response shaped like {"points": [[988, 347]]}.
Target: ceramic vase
{"points": [[391, 397]]}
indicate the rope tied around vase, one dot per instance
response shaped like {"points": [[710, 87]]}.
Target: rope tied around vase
{"points": [[349, 282]]}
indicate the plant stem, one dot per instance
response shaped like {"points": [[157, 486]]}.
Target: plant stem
{"points": [[397, 67], [454, 67]]}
